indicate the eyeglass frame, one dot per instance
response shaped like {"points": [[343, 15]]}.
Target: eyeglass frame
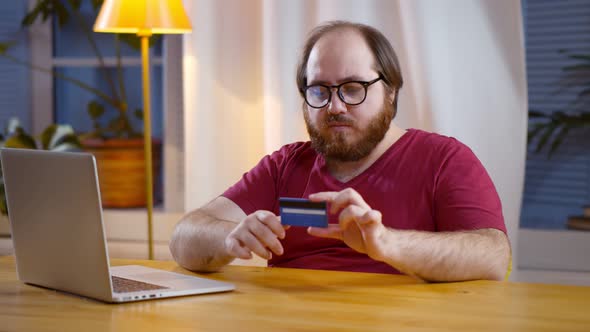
{"points": [[365, 85]]}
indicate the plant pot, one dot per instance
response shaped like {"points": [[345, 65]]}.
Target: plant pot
{"points": [[121, 170]]}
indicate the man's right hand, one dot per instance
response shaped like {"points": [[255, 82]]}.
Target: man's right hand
{"points": [[259, 232]]}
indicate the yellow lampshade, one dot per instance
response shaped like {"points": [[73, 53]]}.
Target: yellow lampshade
{"points": [[142, 17]]}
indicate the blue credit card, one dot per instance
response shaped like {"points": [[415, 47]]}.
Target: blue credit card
{"points": [[302, 212]]}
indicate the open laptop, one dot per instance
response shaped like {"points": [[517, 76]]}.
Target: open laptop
{"points": [[58, 233]]}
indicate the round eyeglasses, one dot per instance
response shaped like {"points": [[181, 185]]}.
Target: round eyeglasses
{"points": [[351, 93]]}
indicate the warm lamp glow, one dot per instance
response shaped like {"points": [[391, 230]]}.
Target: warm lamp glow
{"points": [[142, 17]]}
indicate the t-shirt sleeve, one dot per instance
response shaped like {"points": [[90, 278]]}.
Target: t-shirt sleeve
{"points": [[257, 189], [465, 196]]}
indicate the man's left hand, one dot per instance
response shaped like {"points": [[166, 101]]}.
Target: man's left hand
{"points": [[359, 226]]}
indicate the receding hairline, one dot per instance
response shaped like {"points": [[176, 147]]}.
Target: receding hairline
{"points": [[341, 29]]}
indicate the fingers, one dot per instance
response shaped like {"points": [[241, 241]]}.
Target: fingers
{"points": [[361, 216], [259, 233], [234, 248], [372, 216], [351, 214], [340, 200], [252, 242], [272, 222], [324, 196], [333, 231], [268, 230]]}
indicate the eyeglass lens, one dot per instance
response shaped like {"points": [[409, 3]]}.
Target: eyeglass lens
{"points": [[352, 93]]}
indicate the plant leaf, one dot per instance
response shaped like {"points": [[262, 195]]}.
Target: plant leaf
{"points": [[580, 57], [5, 46], [116, 126], [47, 135], [138, 113], [31, 16], [20, 141], [534, 132], [546, 136], [96, 4], [95, 109], [67, 147], [537, 114], [13, 126], [558, 139], [69, 142], [61, 131], [63, 16], [576, 67], [75, 4]]}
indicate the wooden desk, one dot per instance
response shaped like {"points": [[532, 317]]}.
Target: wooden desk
{"points": [[274, 299]]}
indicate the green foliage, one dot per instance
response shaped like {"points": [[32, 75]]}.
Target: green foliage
{"points": [[55, 138], [138, 113], [551, 129], [51, 8], [4, 47], [95, 109], [64, 12]]}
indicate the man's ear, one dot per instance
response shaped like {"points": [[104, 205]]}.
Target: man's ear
{"points": [[391, 97]]}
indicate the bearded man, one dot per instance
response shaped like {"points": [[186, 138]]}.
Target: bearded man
{"points": [[400, 201]]}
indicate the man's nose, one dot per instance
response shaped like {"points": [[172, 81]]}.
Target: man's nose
{"points": [[336, 105]]}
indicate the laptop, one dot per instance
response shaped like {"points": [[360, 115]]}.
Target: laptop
{"points": [[58, 232]]}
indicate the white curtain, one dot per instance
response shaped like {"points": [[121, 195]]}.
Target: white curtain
{"points": [[462, 61]]}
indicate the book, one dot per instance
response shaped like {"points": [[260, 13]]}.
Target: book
{"points": [[579, 223], [586, 211]]}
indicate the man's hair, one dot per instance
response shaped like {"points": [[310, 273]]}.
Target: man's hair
{"points": [[386, 61]]}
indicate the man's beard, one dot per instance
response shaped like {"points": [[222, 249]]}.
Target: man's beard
{"points": [[334, 146]]}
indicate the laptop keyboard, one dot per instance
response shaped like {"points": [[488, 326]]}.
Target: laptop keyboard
{"points": [[123, 285]]}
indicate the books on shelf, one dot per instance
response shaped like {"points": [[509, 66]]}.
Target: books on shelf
{"points": [[579, 222]]}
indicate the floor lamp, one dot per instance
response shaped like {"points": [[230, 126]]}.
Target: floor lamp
{"points": [[144, 18]]}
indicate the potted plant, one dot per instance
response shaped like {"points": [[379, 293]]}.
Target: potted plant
{"points": [[117, 145], [549, 130], [54, 137]]}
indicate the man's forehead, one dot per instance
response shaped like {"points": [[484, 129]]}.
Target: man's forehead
{"points": [[340, 55]]}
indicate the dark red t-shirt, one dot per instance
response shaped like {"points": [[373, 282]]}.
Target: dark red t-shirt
{"points": [[424, 181]]}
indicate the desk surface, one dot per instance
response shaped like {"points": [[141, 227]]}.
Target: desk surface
{"points": [[275, 299]]}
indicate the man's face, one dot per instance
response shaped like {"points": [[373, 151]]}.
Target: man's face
{"points": [[339, 131]]}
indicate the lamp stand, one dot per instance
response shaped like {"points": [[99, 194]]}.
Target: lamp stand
{"points": [[147, 136]]}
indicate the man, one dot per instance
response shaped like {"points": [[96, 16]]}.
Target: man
{"points": [[400, 200]]}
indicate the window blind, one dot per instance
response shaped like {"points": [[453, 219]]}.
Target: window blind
{"points": [[558, 187], [14, 78]]}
